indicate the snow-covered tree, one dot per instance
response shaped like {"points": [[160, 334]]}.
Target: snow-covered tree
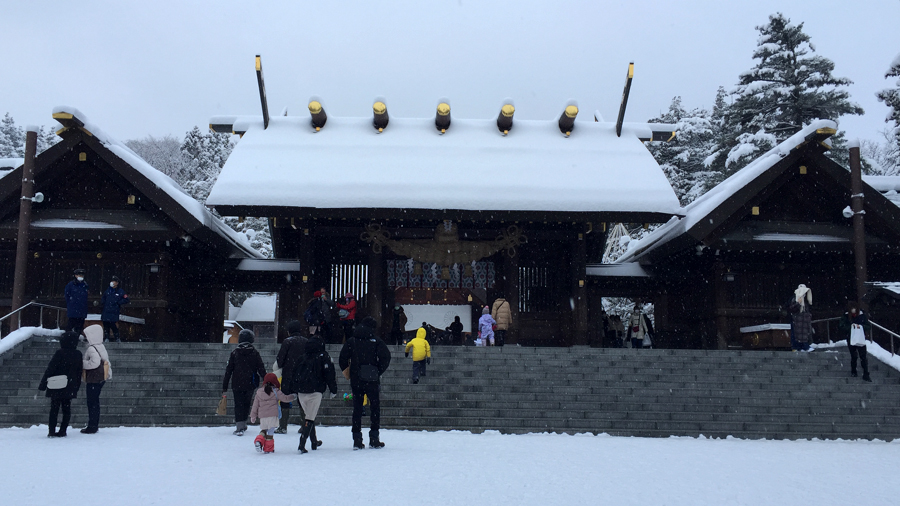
{"points": [[163, 153], [891, 98], [257, 232], [204, 156], [682, 159], [788, 88], [12, 138]]}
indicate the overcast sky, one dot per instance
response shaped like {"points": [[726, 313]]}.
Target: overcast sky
{"points": [[161, 67]]}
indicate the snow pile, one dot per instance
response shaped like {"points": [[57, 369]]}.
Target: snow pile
{"points": [[23, 334], [209, 466], [162, 181], [257, 308], [348, 164], [7, 164]]}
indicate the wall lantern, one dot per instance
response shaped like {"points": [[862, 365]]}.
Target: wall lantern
{"points": [[154, 267], [729, 276]]}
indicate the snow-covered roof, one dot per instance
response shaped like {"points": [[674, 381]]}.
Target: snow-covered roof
{"points": [[893, 286], [163, 182], [257, 308], [7, 164], [348, 164], [889, 186], [701, 208]]}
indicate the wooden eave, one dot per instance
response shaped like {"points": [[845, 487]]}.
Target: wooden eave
{"points": [[10, 185]]}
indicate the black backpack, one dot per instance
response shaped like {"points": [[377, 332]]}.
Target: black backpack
{"points": [[304, 376], [310, 315]]}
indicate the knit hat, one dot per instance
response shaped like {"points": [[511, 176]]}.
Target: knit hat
{"points": [[246, 336], [370, 322], [294, 328], [348, 296], [317, 294], [271, 378], [486, 310]]}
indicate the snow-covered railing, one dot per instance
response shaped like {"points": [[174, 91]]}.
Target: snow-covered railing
{"points": [[18, 314], [891, 334]]}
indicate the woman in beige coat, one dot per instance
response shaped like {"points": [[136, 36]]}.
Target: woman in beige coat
{"points": [[503, 316], [95, 375]]}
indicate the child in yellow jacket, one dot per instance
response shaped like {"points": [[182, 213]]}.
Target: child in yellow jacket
{"points": [[421, 353]]}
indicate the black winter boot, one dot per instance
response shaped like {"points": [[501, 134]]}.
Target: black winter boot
{"points": [[866, 377], [313, 441], [307, 427], [358, 444], [375, 443]]}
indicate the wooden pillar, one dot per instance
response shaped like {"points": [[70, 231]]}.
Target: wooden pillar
{"points": [[307, 256], [21, 268], [376, 286], [287, 307], [511, 272], [579, 292], [859, 230], [719, 306]]}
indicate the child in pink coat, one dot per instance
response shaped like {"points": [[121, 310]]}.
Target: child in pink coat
{"points": [[266, 408]]}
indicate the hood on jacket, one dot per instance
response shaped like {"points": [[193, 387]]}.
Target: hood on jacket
{"points": [[421, 333], [315, 345], [93, 335], [68, 341], [294, 328]]}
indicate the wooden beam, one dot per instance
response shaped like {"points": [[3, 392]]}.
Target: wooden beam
{"points": [[262, 92], [621, 117]]}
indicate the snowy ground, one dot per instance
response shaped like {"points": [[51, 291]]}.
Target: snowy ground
{"points": [[200, 466]]}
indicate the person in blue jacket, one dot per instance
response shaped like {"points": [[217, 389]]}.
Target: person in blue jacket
{"points": [[77, 302], [112, 300]]}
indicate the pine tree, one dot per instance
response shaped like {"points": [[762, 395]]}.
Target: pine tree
{"points": [[205, 155], [786, 90], [682, 159], [891, 98], [162, 153], [12, 139]]}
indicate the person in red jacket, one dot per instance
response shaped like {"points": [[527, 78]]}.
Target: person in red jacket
{"points": [[348, 315]]}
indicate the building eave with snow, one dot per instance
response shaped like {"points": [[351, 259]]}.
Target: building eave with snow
{"points": [[109, 212], [735, 256], [444, 211]]}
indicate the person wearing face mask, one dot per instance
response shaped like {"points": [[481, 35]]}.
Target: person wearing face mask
{"points": [[77, 302], [113, 299], [854, 325]]}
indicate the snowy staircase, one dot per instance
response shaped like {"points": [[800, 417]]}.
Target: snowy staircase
{"points": [[751, 394]]}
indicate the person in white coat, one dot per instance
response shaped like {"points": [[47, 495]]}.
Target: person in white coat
{"points": [[96, 372]]}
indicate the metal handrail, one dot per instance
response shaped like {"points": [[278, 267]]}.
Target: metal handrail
{"points": [[890, 333], [18, 313]]}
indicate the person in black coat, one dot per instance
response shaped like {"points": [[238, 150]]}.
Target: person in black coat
{"points": [[456, 329], [855, 316], [316, 372], [291, 352], [244, 370], [65, 362], [112, 301], [367, 357]]}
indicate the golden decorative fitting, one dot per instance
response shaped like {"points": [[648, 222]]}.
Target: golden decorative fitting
{"points": [[379, 108], [571, 111], [315, 107], [82, 157], [443, 109], [508, 110]]}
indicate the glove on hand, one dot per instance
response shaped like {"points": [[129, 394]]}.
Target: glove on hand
{"points": [[428, 360], [406, 354]]}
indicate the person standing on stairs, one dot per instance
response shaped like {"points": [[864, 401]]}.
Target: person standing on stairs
{"points": [[367, 357], [61, 380], [801, 318], [501, 313], [421, 351], [265, 408], [291, 352], [96, 366], [312, 374], [854, 325], [112, 301], [76, 302], [246, 367]]}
